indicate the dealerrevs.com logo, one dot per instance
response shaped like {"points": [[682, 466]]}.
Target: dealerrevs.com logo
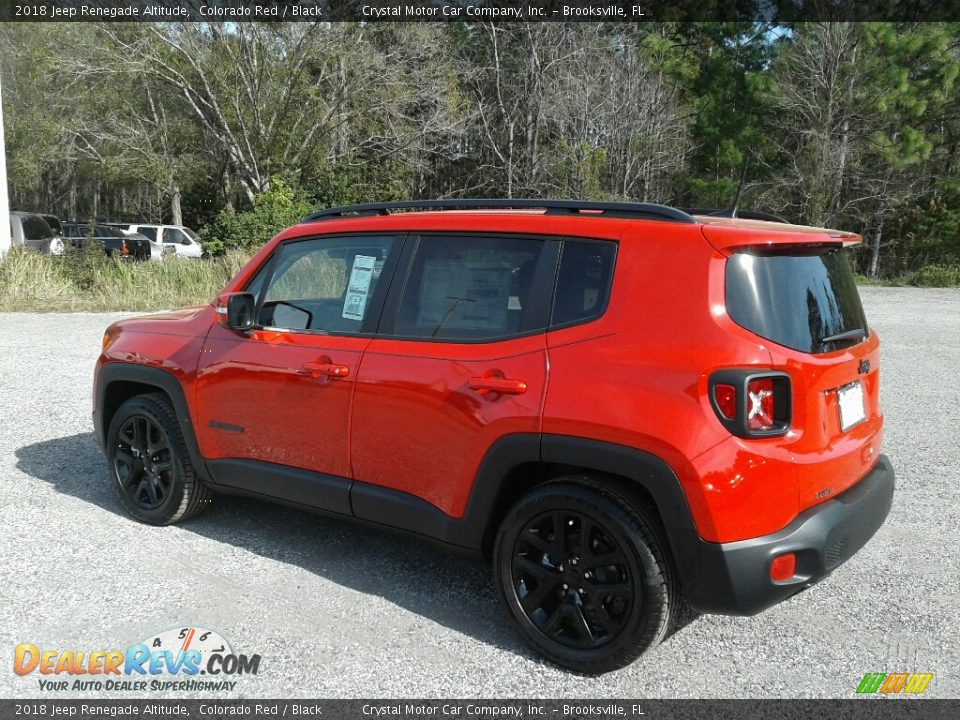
{"points": [[182, 659]]}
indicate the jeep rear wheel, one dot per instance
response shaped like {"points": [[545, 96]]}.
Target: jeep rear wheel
{"points": [[149, 462], [584, 575]]}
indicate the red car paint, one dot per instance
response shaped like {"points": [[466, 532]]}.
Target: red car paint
{"points": [[406, 417]]}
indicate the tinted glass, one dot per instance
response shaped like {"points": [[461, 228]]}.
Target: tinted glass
{"points": [[470, 288], [583, 283], [795, 300], [148, 232], [325, 284], [54, 224], [35, 227]]}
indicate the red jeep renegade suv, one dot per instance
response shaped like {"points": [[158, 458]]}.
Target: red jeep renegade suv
{"points": [[616, 403]]}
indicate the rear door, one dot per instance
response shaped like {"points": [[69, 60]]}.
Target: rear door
{"points": [[460, 361], [280, 395]]}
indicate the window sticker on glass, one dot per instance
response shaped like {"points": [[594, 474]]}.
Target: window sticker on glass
{"points": [[459, 295], [358, 288]]}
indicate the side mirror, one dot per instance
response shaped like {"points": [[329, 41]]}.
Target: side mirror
{"points": [[240, 310]]}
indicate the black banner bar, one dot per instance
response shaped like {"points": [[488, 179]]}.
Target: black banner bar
{"points": [[776, 11], [872, 708]]}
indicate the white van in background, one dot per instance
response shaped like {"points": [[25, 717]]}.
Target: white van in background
{"points": [[184, 241]]}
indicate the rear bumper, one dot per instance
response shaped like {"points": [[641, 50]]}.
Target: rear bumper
{"points": [[734, 578]]}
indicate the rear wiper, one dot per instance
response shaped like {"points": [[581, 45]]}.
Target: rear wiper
{"points": [[855, 334]]}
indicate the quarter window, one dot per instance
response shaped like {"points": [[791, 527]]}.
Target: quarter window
{"points": [[583, 283], [324, 285], [473, 288]]}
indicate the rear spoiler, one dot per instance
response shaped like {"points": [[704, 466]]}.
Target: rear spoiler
{"points": [[729, 235]]}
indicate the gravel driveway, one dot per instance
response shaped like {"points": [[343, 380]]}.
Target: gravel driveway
{"points": [[337, 610]]}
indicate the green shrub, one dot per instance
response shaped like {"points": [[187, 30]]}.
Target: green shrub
{"points": [[86, 265], [936, 276], [273, 210]]}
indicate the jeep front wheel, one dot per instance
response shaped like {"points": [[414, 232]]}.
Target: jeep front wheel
{"points": [[584, 575], [149, 462]]}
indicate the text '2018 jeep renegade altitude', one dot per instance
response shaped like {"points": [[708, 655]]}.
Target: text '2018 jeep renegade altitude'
{"points": [[615, 403]]}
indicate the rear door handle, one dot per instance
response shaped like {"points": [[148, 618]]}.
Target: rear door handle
{"points": [[323, 367], [503, 385]]}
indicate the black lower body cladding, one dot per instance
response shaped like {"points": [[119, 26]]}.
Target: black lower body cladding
{"points": [[734, 578]]}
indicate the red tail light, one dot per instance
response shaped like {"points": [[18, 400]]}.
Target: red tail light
{"points": [[760, 404], [123, 248], [750, 403], [725, 397]]}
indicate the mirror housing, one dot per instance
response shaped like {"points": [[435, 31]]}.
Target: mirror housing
{"points": [[237, 309]]}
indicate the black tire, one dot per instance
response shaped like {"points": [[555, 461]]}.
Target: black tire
{"points": [[149, 463], [591, 604]]}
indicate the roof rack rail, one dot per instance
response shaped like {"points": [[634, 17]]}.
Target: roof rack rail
{"points": [[742, 214], [647, 211]]}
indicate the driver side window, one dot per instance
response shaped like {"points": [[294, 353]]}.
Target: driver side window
{"points": [[324, 285]]}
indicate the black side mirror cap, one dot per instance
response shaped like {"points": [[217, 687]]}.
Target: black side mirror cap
{"points": [[240, 311]]}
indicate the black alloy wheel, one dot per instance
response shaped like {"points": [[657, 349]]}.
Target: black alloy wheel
{"points": [[585, 574], [143, 462], [572, 579], [150, 464]]}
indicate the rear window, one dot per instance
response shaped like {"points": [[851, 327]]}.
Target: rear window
{"points": [[796, 300]]}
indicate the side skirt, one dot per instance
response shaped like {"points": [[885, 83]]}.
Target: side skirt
{"points": [[335, 496]]}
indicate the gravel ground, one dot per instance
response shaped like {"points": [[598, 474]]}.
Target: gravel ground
{"points": [[342, 611]]}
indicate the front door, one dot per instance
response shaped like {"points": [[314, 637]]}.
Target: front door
{"points": [[279, 396]]}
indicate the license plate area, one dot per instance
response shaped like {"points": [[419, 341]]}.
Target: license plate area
{"points": [[850, 405]]}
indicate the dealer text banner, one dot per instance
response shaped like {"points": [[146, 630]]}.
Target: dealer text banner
{"points": [[482, 709], [470, 10]]}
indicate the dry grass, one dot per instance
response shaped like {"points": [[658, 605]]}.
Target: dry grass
{"points": [[89, 281]]}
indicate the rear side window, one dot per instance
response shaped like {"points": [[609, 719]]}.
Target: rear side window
{"points": [[583, 282], [471, 288], [796, 300], [148, 232]]}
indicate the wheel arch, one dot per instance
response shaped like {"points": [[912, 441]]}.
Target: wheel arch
{"points": [[118, 382], [517, 463]]}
